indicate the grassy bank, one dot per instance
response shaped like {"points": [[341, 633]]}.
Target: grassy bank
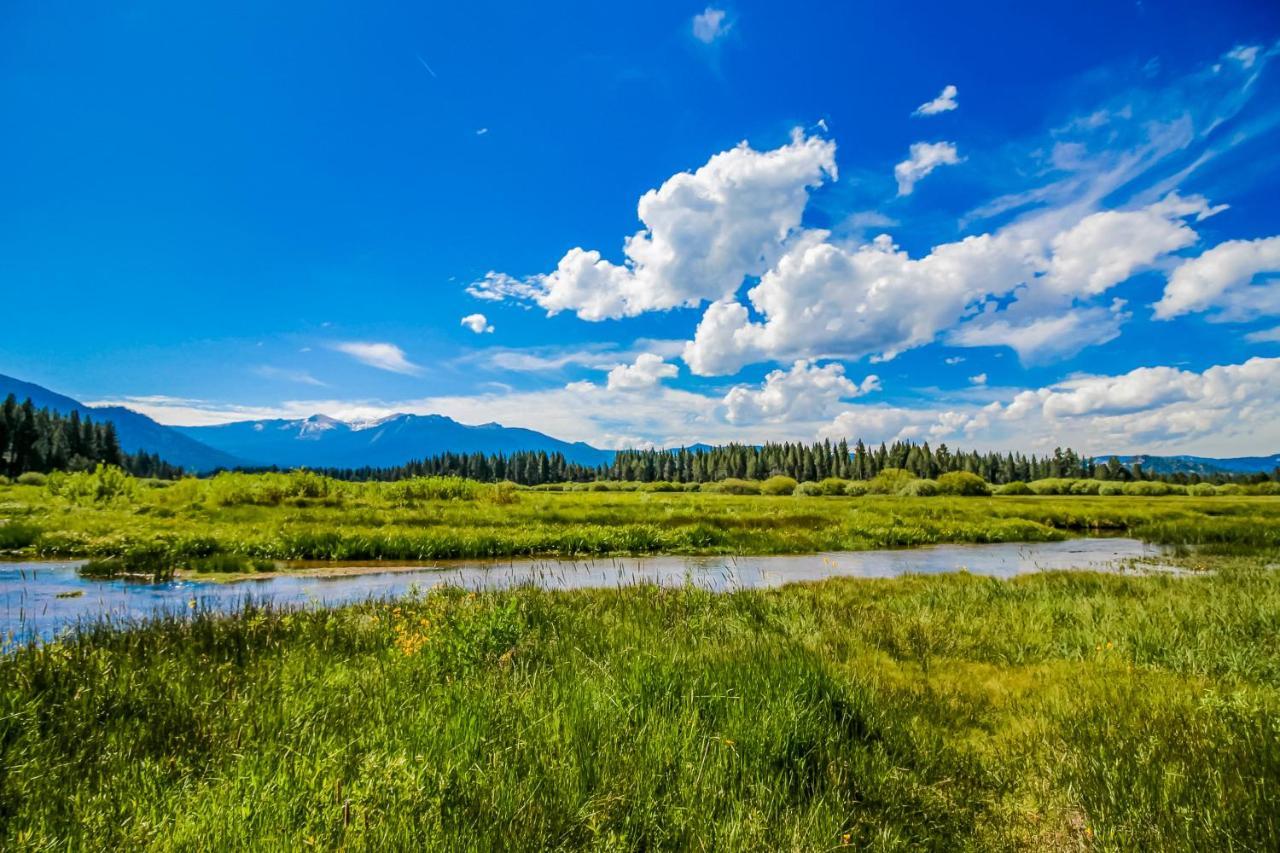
{"points": [[1053, 712], [197, 524]]}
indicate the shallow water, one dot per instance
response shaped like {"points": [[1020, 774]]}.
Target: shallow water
{"points": [[42, 598]]}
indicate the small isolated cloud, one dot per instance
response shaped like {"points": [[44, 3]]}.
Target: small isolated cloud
{"points": [[955, 359], [647, 371], [1245, 55], [383, 356], [482, 131], [980, 379], [477, 323], [925, 157], [710, 25], [945, 102]]}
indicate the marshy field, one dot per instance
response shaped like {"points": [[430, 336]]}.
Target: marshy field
{"points": [[1063, 710]]}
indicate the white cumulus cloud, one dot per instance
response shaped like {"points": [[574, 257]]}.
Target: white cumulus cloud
{"points": [[945, 102], [804, 392], [477, 323], [704, 232], [924, 158], [647, 371], [1222, 279]]}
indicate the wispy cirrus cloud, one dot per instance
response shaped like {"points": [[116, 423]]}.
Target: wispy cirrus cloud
{"points": [[302, 377]]}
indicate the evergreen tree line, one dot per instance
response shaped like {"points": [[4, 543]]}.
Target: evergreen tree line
{"points": [[800, 461], [41, 440]]}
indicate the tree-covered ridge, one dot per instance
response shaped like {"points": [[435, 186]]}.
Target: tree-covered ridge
{"points": [[42, 440], [803, 462]]}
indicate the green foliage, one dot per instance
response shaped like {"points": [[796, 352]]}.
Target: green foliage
{"points": [[1147, 489], [103, 485], [1017, 487], [856, 488], [919, 489], [778, 485], [809, 489], [890, 481], [1111, 489], [833, 486], [15, 535], [734, 486], [963, 483], [32, 478], [1050, 712]]}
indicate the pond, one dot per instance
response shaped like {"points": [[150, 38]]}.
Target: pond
{"points": [[42, 598]]}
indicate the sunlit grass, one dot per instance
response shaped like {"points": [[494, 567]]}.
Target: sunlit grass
{"points": [[196, 520], [1053, 712]]}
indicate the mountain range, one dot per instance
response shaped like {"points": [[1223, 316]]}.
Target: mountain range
{"points": [[316, 442], [324, 442]]}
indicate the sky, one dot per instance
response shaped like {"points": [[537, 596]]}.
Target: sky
{"points": [[1009, 226]]}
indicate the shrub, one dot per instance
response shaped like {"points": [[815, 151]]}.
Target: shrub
{"points": [[734, 486], [1229, 489], [1085, 487], [659, 486], [1051, 486], [502, 493], [692, 487], [920, 489], [104, 484], [1268, 488], [833, 486], [778, 486], [32, 478], [1146, 488], [1014, 487], [407, 493], [1111, 488], [963, 483], [890, 481], [15, 535], [4, 481], [856, 488], [1202, 490], [809, 489]]}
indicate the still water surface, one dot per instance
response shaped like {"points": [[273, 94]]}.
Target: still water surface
{"points": [[42, 598]]}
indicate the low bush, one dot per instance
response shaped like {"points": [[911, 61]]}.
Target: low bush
{"points": [[778, 486], [1111, 489], [1014, 487], [32, 478], [856, 488], [1085, 487], [1147, 488], [920, 489], [15, 535], [1202, 490], [809, 489], [963, 483], [890, 481], [734, 486], [833, 486], [104, 484]]}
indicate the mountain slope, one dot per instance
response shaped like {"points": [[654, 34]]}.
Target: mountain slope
{"points": [[1202, 465], [322, 442], [135, 431]]}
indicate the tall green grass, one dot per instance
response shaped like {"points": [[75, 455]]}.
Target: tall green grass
{"points": [[1053, 712]]}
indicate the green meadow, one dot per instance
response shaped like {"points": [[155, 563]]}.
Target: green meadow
{"points": [[1060, 711]]}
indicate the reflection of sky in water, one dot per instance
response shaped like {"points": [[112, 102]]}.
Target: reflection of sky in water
{"points": [[30, 602]]}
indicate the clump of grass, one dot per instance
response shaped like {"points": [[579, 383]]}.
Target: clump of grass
{"points": [[16, 535]]}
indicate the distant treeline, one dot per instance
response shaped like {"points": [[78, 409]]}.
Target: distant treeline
{"points": [[803, 462], [41, 440]]}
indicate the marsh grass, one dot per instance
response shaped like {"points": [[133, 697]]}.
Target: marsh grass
{"points": [[294, 517], [1063, 711]]}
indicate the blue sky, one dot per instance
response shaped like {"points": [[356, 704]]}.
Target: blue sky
{"points": [[275, 209]]}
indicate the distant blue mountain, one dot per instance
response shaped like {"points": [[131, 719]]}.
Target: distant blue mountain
{"points": [[323, 442], [135, 431], [1203, 465]]}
